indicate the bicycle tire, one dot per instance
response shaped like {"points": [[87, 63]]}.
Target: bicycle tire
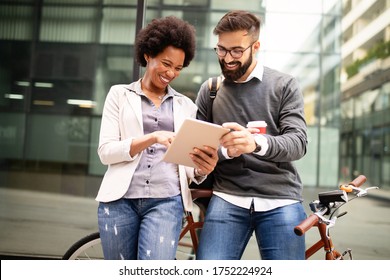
{"points": [[87, 248]]}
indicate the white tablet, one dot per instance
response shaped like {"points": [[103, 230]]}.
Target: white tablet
{"points": [[193, 133]]}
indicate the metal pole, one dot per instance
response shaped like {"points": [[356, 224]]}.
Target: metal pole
{"points": [[141, 8]]}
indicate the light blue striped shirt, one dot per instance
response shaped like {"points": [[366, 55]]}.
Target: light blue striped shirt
{"points": [[153, 177]]}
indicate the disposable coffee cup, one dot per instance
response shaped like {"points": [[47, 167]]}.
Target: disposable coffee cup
{"points": [[260, 125]]}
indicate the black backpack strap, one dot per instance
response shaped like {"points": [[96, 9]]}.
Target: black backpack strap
{"points": [[214, 83]]}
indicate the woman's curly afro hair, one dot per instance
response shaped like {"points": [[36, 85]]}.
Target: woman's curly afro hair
{"points": [[163, 32]]}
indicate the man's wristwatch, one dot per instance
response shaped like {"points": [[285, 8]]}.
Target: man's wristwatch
{"points": [[261, 144], [258, 147]]}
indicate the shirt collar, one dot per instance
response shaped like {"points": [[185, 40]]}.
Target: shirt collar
{"points": [[138, 89], [256, 73]]}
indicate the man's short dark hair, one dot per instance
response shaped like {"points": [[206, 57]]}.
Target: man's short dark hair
{"points": [[239, 20]]}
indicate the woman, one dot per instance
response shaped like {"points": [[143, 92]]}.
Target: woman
{"points": [[141, 198]]}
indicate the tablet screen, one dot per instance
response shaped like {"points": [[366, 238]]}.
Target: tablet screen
{"points": [[193, 133]]}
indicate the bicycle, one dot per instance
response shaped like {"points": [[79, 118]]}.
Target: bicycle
{"points": [[328, 204]]}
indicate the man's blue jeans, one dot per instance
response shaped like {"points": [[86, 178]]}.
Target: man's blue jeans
{"points": [[228, 228], [141, 229]]}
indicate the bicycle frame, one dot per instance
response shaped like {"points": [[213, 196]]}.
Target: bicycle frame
{"points": [[325, 242], [192, 227]]}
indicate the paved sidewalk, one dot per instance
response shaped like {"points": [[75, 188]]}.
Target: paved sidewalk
{"points": [[43, 225]]}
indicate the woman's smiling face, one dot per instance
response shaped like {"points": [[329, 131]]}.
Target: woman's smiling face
{"points": [[164, 68]]}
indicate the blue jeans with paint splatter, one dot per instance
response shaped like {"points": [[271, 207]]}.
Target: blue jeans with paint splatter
{"points": [[143, 229]]}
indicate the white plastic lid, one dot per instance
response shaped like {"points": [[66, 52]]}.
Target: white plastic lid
{"points": [[256, 124]]}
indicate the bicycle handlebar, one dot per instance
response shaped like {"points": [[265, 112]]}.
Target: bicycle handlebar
{"points": [[357, 182], [313, 219], [306, 224]]}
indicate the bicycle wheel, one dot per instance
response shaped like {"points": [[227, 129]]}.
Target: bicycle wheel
{"points": [[87, 248]]}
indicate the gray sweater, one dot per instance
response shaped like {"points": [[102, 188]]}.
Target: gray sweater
{"points": [[276, 99]]}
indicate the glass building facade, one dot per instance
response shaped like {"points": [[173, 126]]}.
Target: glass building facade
{"points": [[58, 59], [365, 91]]}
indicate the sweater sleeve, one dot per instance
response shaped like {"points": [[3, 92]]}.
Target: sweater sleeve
{"points": [[291, 143]]}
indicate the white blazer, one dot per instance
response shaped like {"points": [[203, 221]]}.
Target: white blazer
{"points": [[121, 123]]}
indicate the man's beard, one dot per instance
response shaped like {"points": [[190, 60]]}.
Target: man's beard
{"points": [[234, 75]]}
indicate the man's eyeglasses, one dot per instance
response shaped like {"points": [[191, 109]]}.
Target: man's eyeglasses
{"points": [[235, 53]]}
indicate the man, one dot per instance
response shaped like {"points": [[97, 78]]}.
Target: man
{"points": [[257, 188]]}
